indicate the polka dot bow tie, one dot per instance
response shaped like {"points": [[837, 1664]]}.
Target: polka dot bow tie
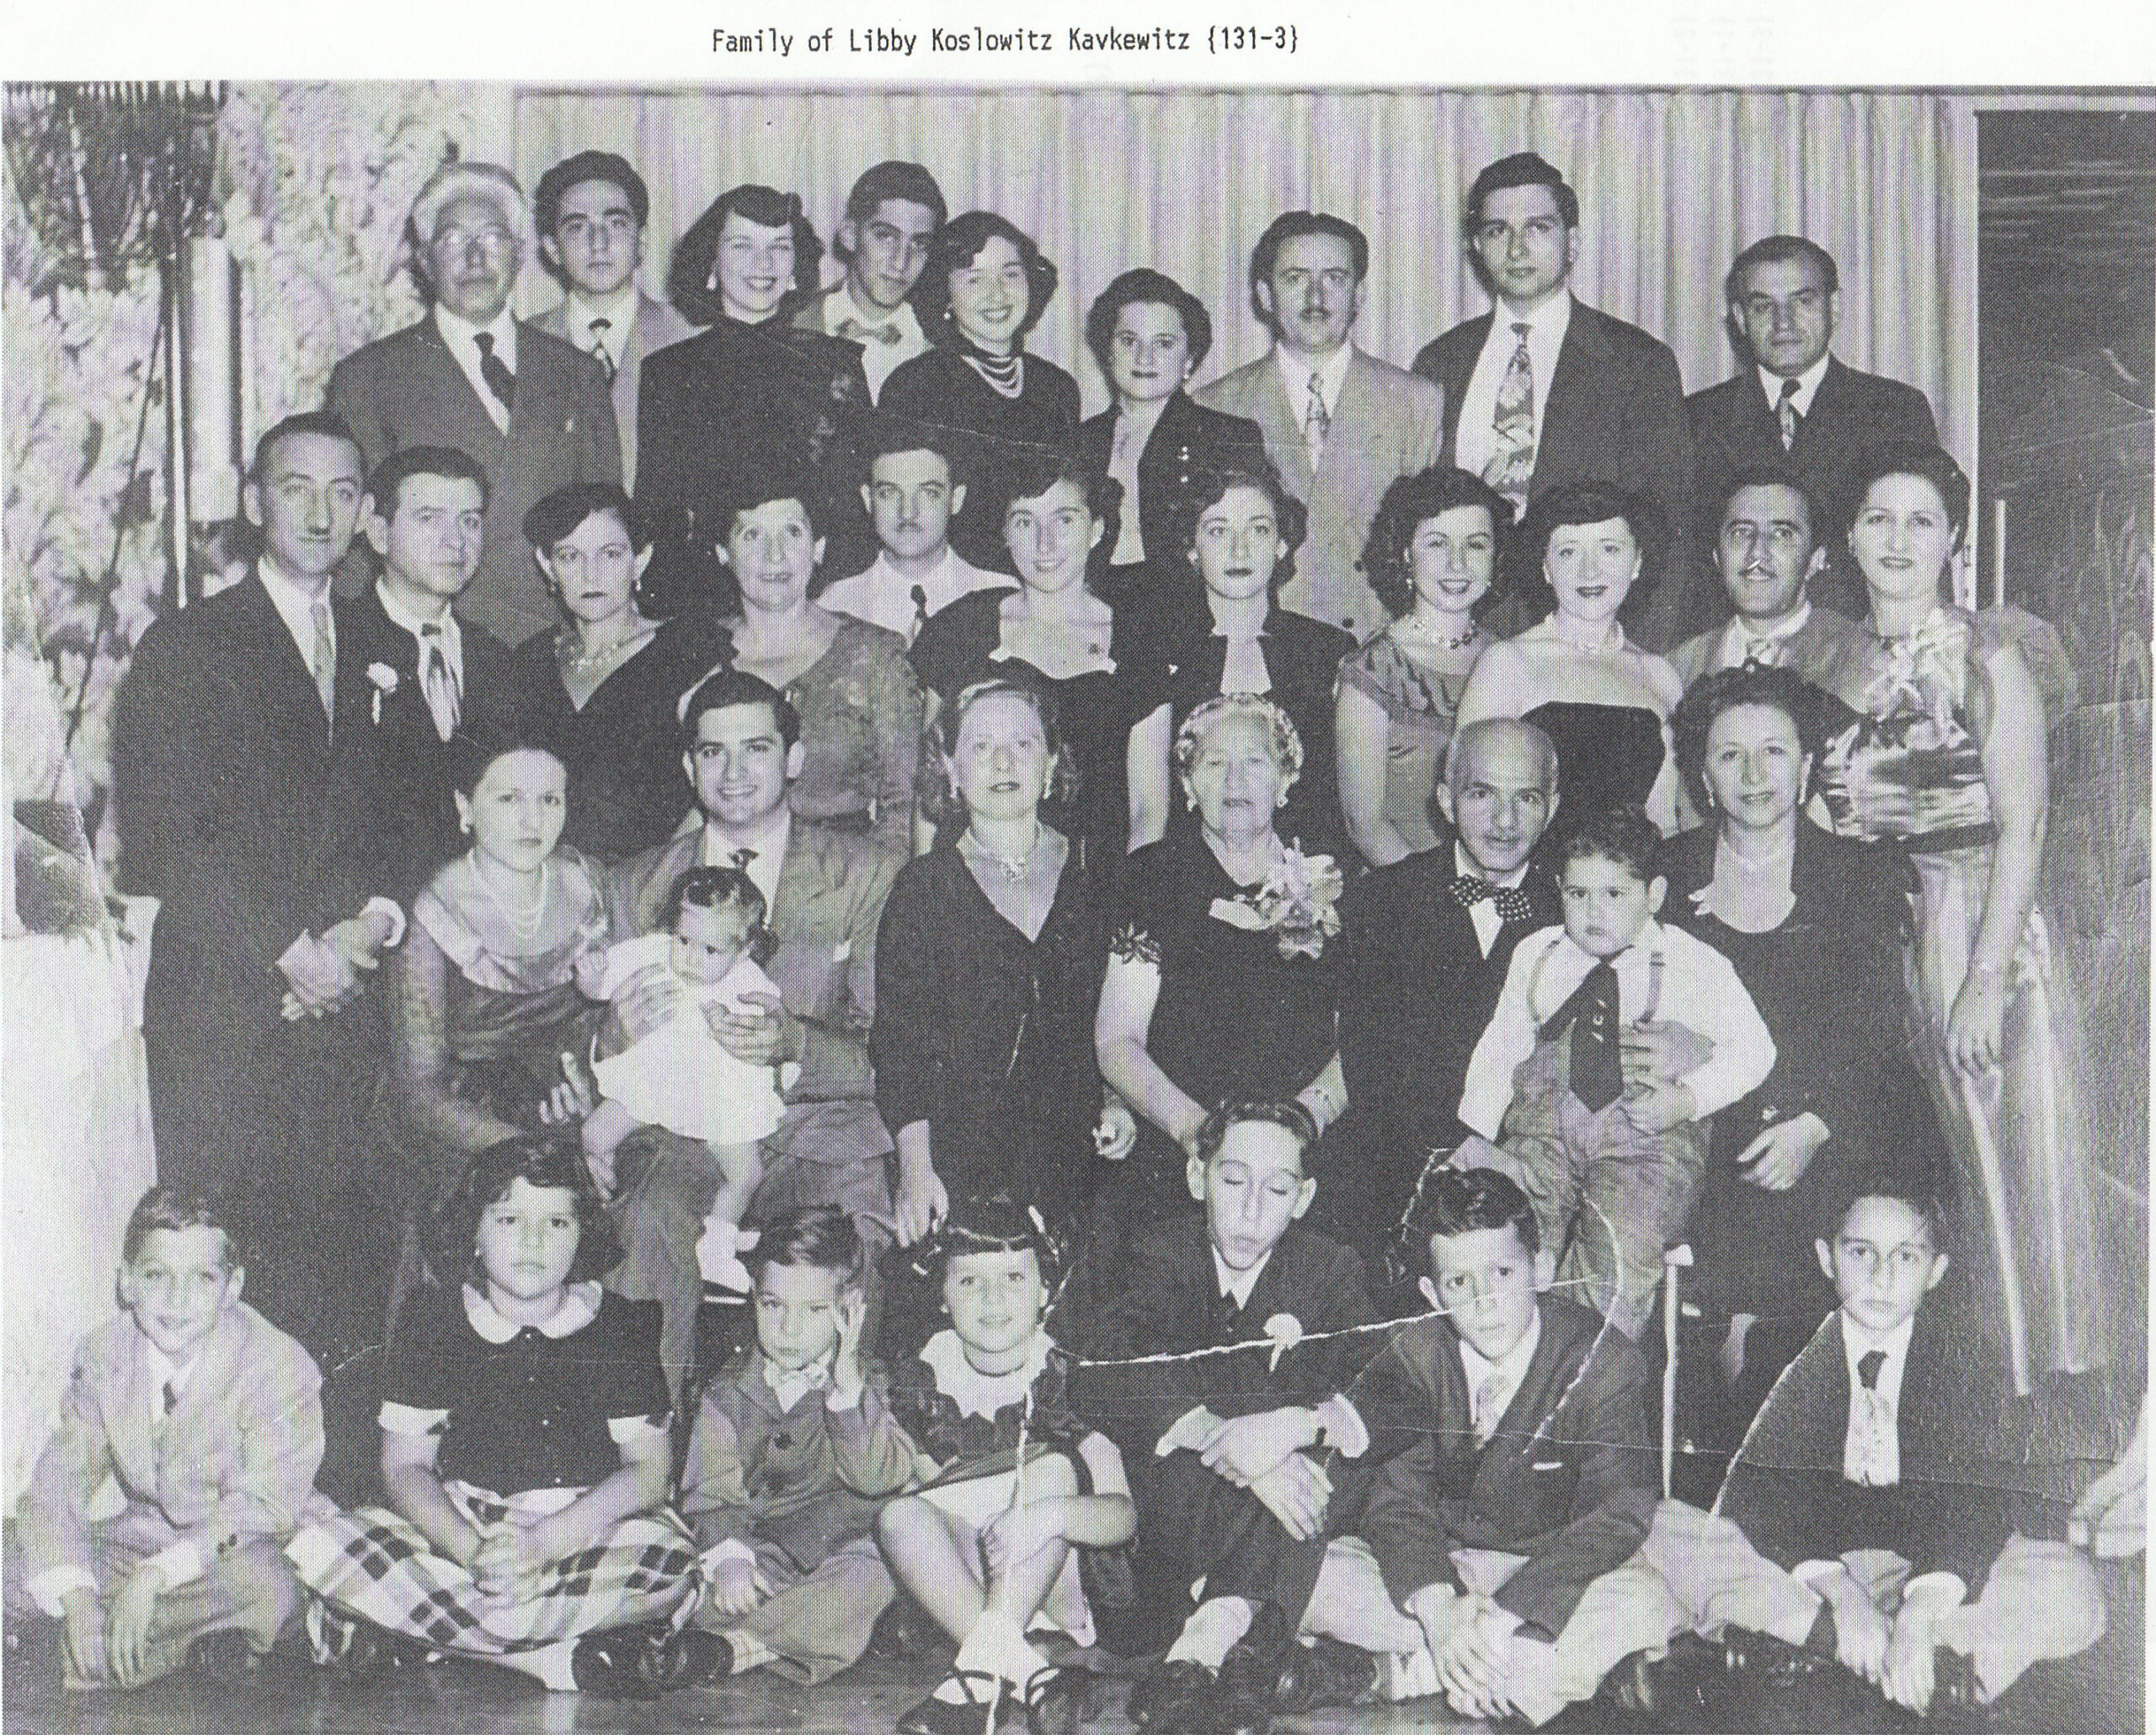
{"points": [[1512, 904]]}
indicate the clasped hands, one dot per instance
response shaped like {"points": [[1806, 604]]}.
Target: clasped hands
{"points": [[324, 975], [1264, 1452]]}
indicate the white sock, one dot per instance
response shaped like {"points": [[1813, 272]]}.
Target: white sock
{"points": [[1411, 1676], [995, 1646], [1210, 1634]]}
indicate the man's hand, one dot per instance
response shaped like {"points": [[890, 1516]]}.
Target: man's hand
{"points": [[1475, 1662], [127, 1628], [1295, 1492], [321, 977], [85, 1633], [1777, 1159], [1861, 1631], [764, 1038], [1658, 1107], [1906, 1677], [1116, 1135], [1243, 1450], [647, 1001], [737, 1586], [1663, 1051]]}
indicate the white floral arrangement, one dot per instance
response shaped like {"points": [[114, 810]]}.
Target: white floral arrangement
{"points": [[1297, 901]]}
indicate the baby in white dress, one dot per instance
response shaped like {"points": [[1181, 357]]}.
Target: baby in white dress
{"points": [[678, 1076]]}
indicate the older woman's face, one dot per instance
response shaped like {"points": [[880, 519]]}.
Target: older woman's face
{"points": [[594, 567], [472, 258], [1452, 557], [1903, 537], [1236, 782], [754, 268], [1000, 764], [991, 297], [773, 549], [514, 814], [1591, 567], [1755, 765], [1148, 356], [1049, 534], [1239, 543]]}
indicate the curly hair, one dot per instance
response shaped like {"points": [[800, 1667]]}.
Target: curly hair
{"points": [[1286, 744], [1623, 834], [690, 278], [1144, 286], [995, 1224], [1409, 504], [539, 1160], [1782, 689], [1907, 457], [957, 245], [934, 785], [1461, 1201], [1587, 503], [1209, 487], [1282, 1112]]}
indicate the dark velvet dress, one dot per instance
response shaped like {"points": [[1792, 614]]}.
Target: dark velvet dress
{"points": [[1608, 756]]}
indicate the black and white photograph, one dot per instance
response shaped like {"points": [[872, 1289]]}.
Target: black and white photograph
{"points": [[966, 874]]}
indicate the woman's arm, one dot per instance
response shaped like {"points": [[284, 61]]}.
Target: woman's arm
{"points": [[419, 1057], [1145, 766], [923, 828], [1129, 993], [1325, 1095], [415, 1492], [1361, 739], [913, 1007], [2016, 773], [1497, 687]]}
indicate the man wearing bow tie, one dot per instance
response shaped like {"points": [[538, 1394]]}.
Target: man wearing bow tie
{"points": [[591, 211], [1429, 940], [891, 215]]}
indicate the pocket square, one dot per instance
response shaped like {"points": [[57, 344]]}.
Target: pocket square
{"points": [[1548, 1464]]}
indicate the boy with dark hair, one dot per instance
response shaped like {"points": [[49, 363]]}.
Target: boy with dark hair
{"points": [[208, 1420], [793, 1446], [1547, 1081], [892, 215]]}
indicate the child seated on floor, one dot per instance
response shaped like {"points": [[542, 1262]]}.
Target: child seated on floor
{"points": [[991, 1545], [1546, 1082], [1862, 1510], [1237, 1459], [1526, 1474], [793, 1446], [679, 1076], [524, 1449], [208, 1419]]}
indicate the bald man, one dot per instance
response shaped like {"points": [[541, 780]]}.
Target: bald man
{"points": [[1429, 939]]}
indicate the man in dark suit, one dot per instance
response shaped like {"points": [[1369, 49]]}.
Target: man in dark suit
{"points": [[891, 215], [1428, 941], [535, 413], [591, 211], [1543, 390], [1341, 425], [1795, 404], [825, 891], [244, 784], [427, 671]]}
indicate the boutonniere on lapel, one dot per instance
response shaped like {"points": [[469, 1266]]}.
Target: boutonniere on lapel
{"points": [[1285, 1331], [1296, 902], [383, 679]]}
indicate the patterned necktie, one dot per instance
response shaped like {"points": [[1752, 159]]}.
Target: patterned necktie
{"points": [[1873, 1435], [1317, 421], [324, 668], [439, 681], [1487, 1407], [1514, 420], [1787, 414], [495, 372], [600, 328], [920, 611], [1593, 1065], [1512, 905]]}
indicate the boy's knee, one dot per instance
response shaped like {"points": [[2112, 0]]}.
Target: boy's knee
{"points": [[261, 1587]]}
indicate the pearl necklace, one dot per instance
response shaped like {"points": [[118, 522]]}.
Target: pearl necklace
{"points": [[1013, 869], [1430, 635], [524, 926], [584, 661]]}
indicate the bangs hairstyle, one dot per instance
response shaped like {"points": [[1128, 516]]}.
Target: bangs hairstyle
{"points": [[1587, 503], [479, 741], [1902, 1182], [1292, 225], [1412, 502], [1283, 1112], [1907, 457], [819, 1236], [538, 1160], [1623, 834], [561, 514], [1209, 487], [386, 486], [172, 1208], [718, 889], [957, 245], [1782, 689], [1145, 287], [692, 279], [938, 791], [997, 1223], [1461, 1202], [1523, 168], [1280, 734], [727, 686], [887, 181]]}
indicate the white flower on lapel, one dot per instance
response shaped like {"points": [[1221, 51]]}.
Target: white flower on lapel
{"points": [[384, 678], [1286, 1331]]}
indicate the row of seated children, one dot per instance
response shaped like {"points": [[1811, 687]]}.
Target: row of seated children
{"points": [[1328, 1508]]}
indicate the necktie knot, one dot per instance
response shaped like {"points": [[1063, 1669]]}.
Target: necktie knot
{"points": [[438, 681], [602, 352], [1868, 1366], [743, 857], [167, 1399]]}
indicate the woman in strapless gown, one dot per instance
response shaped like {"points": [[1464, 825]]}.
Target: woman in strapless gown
{"points": [[1602, 702]]}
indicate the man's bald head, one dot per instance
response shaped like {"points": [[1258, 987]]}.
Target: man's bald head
{"points": [[1500, 792]]}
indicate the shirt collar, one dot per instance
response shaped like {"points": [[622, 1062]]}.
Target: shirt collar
{"points": [[458, 332], [1236, 1285], [787, 1384], [1332, 374], [401, 616], [845, 307], [1807, 385], [294, 603], [976, 1393], [1467, 867], [769, 841], [1550, 320], [164, 1370], [1511, 1364], [579, 1307], [618, 310], [1859, 1340]]}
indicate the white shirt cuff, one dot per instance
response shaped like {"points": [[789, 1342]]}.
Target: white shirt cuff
{"points": [[1190, 1428], [623, 1429], [732, 1549], [1941, 1591], [789, 1074], [387, 906], [1342, 1424], [1809, 1573], [412, 1424], [179, 1564], [51, 1590]]}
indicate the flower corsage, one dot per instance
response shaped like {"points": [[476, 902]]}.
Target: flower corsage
{"points": [[384, 678], [1296, 901]]}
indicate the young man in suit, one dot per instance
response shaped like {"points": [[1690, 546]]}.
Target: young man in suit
{"points": [[1768, 545], [1862, 1510], [1543, 390], [589, 211], [824, 891], [245, 779], [1237, 1461], [913, 488], [206, 1418], [891, 215], [424, 516], [1340, 425], [1796, 403], [1428, 941], [534, 412], [1526, 1475]]}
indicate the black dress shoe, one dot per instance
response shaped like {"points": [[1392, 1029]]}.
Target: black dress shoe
{"points": [[1761, 1657], [940, 1716], [1654, 1688], [1172, 1697], [223, 1658], [616, 1664], [1242, 1694], [1327, 1674], [905, 1631], [692, 1658]]}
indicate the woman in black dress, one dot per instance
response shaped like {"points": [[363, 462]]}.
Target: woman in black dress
{"points": [[1243, 530], [1149, 334], [603, 688], [988, 966], [1223, 973], [1056, 514], [985, 285]]}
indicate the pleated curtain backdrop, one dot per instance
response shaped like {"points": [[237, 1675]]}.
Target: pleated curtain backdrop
{"points": [[1671, 185]]}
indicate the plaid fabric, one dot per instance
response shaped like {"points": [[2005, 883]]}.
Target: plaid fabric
{"points": [[372, 1564]]}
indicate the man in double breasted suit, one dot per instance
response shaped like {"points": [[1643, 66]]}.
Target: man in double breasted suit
{"points": [[534, 412], [1341, 425], [590, 210]]}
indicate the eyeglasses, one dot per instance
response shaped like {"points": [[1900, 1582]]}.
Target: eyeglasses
{"points": [[495, 242]]}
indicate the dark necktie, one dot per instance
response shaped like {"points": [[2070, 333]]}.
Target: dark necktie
{"points": [[1787, 414], [439, 682], [495, 372], [919, 608], [600, 328], [1512, 905], [168, 1396], [1596, 1069], [1868, 1366], [743, 857]]}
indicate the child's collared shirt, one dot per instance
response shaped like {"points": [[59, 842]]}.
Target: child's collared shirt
{"points": [[1492, 1385], [1872, 1448], [1695, 985]]}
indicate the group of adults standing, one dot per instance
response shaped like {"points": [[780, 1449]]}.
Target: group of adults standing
{"points": [[1090, 771]]}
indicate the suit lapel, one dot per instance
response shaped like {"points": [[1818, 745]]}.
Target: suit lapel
{"points": [[475, 432], [1355, 412], [1829, 403], [1582, 359], [1276, 413], [1457, 364], [801, 877], [271, 661]]}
